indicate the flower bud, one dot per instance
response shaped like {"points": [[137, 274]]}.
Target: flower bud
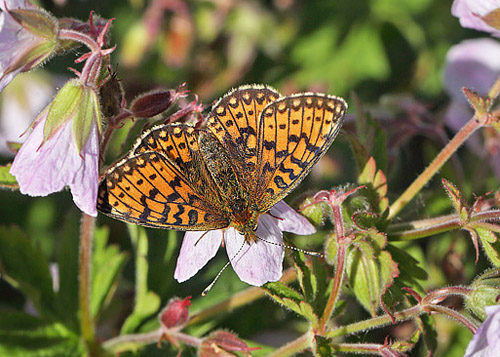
{"points": [[150, 104], [28, 37], [176, 313], [486, 291], [222, 343]]}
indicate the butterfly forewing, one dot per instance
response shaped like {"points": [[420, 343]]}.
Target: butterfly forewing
{"points": [[234, 120], [294, 133], [179, 143], [152, 189]]}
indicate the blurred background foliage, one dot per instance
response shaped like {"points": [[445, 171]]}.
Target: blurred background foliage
{"points": [[387, 55]]}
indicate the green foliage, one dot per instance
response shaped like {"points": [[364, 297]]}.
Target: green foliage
{"points": [[6, 179], [388, 61]]}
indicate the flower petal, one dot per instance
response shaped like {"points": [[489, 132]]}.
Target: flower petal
{"points": [[86, 179], [468, 11], [196, 252], [486, 341], [41, 170], [259, 262], [289, 220]]}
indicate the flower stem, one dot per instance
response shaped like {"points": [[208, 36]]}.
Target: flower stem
{"points": [[133, 342], [240, 299], [435, 165], [339, 268], [298, 345], [65, 34], [86, 321], [376, 322]]}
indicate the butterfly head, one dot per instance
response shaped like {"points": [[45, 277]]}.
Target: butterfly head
{"points": [[247, 225]]}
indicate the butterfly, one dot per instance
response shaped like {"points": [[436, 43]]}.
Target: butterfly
{"points": [[255, 148]]}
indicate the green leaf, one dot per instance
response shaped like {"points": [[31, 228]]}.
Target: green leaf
{"points": [[24, 266], [6, 179], [479, 104], [456, 199], [331, 248], [106, 266], [67, 259], [307, 280], [364, 277], [370, 269], [490, 244], [146, 302], [285, 296], [24, 335], [323, 347], [280, 290], [307, 311]]}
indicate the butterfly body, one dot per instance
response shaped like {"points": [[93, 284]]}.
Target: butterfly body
{"points": [[256, 147]]}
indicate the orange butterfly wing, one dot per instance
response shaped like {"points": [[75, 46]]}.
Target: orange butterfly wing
{"points": [[234, 120], [162, 183], [294, 133]]}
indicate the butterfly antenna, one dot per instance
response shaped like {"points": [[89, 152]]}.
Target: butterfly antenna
{"points": [[207, 289], [308, 252]]}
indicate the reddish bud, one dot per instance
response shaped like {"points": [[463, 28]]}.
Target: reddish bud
{"points": [[176, 313], [222, 343], [150, 104]]}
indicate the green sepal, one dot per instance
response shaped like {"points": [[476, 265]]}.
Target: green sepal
{"points": [[38, 22], [87, 112], [62, 107], [32, 56], [492, 18], [486, 289]]}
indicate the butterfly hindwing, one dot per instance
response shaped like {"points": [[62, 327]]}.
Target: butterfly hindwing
{"points": [[152, 189], [294, 133], [234, 120]]}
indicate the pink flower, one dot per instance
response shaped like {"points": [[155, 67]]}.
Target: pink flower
{"points": [[470, 12], [472, 64], [257, 263], [63, 148], [486, 341], [21, 49]]}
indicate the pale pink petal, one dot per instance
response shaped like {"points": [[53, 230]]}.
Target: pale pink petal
{"points": [[85, 181], [486, 341], [467, 11], [289, 220], [196, 252], [259, 262], [41, 170], [473, 64]]}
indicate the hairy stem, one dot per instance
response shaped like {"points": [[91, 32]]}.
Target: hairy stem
{"points": [[435, 165], [85, 261], [339, 269], [298, 345]]}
